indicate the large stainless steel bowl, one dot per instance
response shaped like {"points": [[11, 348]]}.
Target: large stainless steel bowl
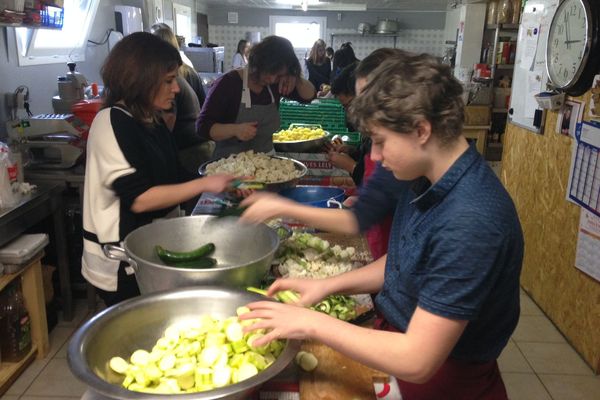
{"points": [[243, 252], [271, 186], [138, 323]]}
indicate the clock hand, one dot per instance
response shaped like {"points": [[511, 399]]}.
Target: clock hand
{"points": [[573, 41], [568, 42]]}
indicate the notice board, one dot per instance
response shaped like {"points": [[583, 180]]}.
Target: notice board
{"points": [[530, 77]]}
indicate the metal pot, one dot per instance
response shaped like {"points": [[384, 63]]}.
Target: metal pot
{"points": [[387, 26], [316, 196], [137, 324], [243, 252], [364, 27]]}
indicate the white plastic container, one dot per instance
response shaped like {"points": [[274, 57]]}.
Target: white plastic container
{"points": [[16, 254]]}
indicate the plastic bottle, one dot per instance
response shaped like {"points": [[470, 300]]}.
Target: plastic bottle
{"points": [[15, 325], [516, 11]]}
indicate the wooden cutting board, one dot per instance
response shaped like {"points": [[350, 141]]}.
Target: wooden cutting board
{"points": [[337, 377]]}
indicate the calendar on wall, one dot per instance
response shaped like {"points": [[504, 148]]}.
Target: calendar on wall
{"points": [[584, 175]]}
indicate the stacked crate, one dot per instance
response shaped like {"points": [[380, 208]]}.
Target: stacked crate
{"points": [[328, 113]]}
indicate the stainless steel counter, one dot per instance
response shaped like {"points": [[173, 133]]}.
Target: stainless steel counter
{"points": [[45, 202]]}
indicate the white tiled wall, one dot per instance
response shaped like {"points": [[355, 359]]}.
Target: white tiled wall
{"points": [[230, 35], [418, 40]]}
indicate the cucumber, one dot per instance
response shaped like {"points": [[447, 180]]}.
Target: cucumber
{"points": [[170, 257], [201, 263]]}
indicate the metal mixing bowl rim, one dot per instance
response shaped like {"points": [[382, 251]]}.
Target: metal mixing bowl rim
{"points": [[83, 372], [139, 259], [299, 166]]}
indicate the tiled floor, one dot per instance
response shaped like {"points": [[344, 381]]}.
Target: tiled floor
{"points": [[537, 364]]}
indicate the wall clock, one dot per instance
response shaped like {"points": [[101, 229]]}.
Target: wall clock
{"points": [[573, 50]]}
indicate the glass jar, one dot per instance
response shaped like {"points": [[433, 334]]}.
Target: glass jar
{"points": [[505, 11], [492, 9], [516, 12]]}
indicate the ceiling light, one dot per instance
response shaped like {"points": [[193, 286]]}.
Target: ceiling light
{"points": [[304, 5]]}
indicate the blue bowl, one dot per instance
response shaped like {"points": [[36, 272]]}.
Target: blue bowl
{"points": [[316, 196]]}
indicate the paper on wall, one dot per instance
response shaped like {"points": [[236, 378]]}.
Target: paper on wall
{"points": [[588, 244]]}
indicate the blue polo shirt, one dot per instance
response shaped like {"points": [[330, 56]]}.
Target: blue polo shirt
{"points": [[456, 250]]}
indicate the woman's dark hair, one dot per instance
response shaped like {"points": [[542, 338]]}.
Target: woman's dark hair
{"points": [[416, 88], [345, 82], [241, 46], [342, 58], [329, 52], [133, 72], [271, 55]]}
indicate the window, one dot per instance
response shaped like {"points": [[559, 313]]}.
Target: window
{"points": [[303, 32], [183, 21], [51, 46]]}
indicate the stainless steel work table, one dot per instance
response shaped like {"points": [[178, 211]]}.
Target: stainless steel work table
{"points": [[45, 202]]}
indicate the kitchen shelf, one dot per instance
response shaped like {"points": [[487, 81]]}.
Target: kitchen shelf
{"points": [[502, 27], [20, 25], [369, 35], [505, 66], [33, 293], [9, 372]]}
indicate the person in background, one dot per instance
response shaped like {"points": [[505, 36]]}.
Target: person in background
{"points": [[449, 285], [329, 54], [241, 111], [132, 175], [342, 58], [181, 118], [318, 65], [187, 72], [378, 194], [240, 58], [184, 58]]}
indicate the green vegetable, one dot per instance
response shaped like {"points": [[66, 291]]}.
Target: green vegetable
{"points": [[196, 355], [169, 256], [284, 296], [306, 360], [204, 262]]}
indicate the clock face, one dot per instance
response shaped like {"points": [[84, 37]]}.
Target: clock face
{"points": [[568, 41]]}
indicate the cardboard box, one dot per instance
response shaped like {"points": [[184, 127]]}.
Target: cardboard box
{"points": [[477, 115], [317, 164]]}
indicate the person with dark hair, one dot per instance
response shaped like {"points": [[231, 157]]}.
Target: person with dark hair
{"points": [[378, 194], [132, 175], [181, 118], [329, 53], [240, 58], [318, 65], [342, 58], [449, 285], [241, 111]]}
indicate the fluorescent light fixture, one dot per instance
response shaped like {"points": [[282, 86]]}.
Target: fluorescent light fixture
{"points": [[304, 5], [334, 6]]}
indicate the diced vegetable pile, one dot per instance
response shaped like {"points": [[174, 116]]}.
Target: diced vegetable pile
{"points": [[298, 134], [198, 355], [307, 256]]}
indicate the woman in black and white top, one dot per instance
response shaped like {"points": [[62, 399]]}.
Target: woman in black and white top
{"points": [[132, 174]]}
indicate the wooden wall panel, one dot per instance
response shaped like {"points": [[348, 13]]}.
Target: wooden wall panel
{"points": [[535, 172]]}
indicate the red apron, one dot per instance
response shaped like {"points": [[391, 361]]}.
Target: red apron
{"points": [[455, 380], [378, 235]]}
